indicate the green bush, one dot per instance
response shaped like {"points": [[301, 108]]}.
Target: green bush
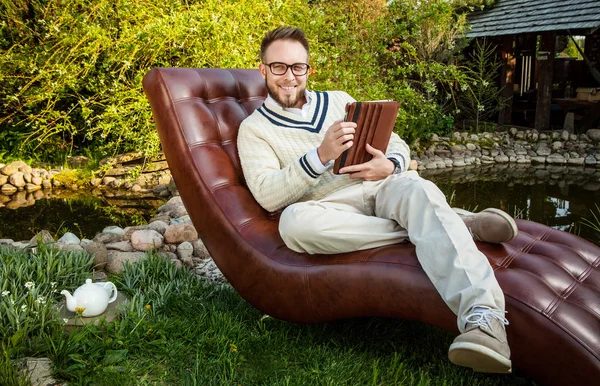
{"points": [[71, 70]]}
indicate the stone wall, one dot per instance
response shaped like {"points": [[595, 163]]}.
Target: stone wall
{"points": [[513, 146]]}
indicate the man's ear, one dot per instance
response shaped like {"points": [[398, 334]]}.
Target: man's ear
{"points": [[263, 70]]}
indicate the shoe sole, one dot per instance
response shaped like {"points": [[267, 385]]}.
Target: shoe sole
{"points": [[480, 358], [503, 214]]}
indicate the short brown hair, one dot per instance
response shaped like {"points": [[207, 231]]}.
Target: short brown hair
{"points": [[283, 33]]}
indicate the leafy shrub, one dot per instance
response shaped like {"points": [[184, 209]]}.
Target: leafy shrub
{"points": [[71, 70]]}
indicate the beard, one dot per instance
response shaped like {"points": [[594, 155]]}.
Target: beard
{"points": [[289, 100]]}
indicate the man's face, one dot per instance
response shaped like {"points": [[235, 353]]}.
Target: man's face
{"points": [[287, 89]]}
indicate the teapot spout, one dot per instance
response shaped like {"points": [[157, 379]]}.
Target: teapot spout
{"points": [[71, 301]]}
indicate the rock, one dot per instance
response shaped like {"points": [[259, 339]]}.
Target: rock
{"points": [[100, 253], [173, 188], [592, 186], [108, 180], [200, 250], [95, 181], [77, 161], [32, 187], [8, 189], [576, 161], [44, 236], [557, 145], [3, 179], [182, 220], [36, 180], [136, 188], [39, 371], [99, 276], [177, 233], [159, 226], [147, 239], [128, 231], [513, 131], [106, 238], [590, 160], [27, 177], [158, 189], [171, 205], [185, 249], [114, 229], [564, 135], [69, 238], [16, 179], [543, 151], [46, 184], [556, 159], [116, 259], [6, 241], [538, 160], [209, 270], [163, 218], [593, 134], [177, 263], [502, 159], [471, 147], [123, 246], [13, 167], [573, 137]]}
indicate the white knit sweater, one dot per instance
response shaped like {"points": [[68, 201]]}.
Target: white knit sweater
{"points": [[273, 144]]}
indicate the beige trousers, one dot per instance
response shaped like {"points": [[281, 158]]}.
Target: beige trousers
{"points": [[402, 207]]}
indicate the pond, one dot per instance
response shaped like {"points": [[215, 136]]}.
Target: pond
{"points": [[81, 212], [562, 197], [559, 196]]}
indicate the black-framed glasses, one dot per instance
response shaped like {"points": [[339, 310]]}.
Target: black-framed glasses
{"points": [[279, 68]]}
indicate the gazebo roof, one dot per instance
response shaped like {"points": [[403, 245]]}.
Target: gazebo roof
{"points": [[509, 17]]}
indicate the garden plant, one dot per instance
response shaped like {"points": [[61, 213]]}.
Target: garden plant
{"points": [[180, 329]]}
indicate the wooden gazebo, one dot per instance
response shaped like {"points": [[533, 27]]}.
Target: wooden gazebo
{"points": [[533, 80]]}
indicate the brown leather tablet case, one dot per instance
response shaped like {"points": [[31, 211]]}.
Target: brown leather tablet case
{"points": [[374, 124]]}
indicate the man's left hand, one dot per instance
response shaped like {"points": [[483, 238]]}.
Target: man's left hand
{"points": [[376, 169]]}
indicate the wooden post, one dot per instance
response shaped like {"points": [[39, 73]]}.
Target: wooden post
{"points": [[506, 79], [545, 60]]}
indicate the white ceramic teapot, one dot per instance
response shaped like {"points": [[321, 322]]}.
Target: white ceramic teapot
{"points": [[92, 297]]}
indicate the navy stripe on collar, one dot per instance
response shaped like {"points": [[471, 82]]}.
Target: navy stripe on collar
{"points": [[319, 113]]}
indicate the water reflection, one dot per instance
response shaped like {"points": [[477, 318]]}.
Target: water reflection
{"points": [[82, 213], [557, 196]]}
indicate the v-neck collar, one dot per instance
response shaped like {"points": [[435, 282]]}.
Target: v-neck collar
{"points": [[313, 122]]}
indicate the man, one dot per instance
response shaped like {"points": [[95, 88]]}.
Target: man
{"points": [[287, 148]]}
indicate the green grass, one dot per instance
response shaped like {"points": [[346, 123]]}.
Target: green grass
{"points": [[180, 330]]}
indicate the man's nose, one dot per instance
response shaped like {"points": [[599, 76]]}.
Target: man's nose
{"points": [[289, 75]]}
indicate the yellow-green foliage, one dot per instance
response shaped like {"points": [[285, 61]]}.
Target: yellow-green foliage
{"points": [[71, 177], [71, 70]]}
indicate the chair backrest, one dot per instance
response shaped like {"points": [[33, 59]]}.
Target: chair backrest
{"points": [[197, 114]]}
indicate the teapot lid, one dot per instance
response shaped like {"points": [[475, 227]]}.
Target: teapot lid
{"points": [[89, 285]]}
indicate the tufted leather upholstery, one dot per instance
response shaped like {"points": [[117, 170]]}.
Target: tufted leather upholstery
{"points": [[550, 278]]}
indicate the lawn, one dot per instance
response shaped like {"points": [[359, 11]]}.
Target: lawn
{"points": [[181, 330]]}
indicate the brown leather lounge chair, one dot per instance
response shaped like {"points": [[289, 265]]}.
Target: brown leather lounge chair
{"points": [[550, 278]]}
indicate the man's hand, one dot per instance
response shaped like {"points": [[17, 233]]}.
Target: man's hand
{"points": [[376, 169], [337, 139]]}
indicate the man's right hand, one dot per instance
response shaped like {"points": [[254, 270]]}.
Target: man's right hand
{"points": [[337, 139]]}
